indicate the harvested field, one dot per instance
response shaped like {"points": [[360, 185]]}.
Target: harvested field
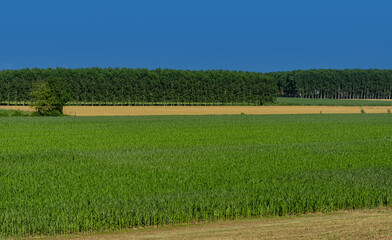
{"points": [[206, 110]]}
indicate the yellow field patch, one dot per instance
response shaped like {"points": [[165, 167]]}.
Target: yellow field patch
{"points": [[206, 110]]}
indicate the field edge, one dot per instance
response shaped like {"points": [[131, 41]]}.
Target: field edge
{"points": [[364, 223]]}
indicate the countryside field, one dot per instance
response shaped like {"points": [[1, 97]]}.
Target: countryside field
{"points": [[283, 105], [368, 224], [68, 175], [195, 120], [207, 110]]}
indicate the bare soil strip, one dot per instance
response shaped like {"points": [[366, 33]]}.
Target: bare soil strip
{"points": [[206, 110], [360, 224]]}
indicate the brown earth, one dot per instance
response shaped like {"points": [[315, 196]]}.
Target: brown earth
{"points": [[360, 224], [206, 110]]}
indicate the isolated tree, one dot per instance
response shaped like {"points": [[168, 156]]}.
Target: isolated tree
{"points": [[49, 97]]}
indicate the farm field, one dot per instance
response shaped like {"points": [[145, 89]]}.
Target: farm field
{"points": [[359, 224], [68, 175], [207, 110], [13, 113]]}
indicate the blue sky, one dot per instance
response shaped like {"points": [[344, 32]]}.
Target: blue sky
{"points": [[245, 35]]}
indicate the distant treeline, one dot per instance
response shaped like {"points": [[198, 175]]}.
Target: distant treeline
{"points": [[122, 86], [336, 84]]}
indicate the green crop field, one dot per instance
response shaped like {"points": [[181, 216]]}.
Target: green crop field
{"points": [[13, 113], [73, 174], [290, 101]]}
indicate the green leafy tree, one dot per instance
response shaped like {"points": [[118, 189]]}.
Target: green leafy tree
{"points": [[49, 97]]}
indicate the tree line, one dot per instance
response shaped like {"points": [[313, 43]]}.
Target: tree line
{"points": [[123, 86], [336, 84]]}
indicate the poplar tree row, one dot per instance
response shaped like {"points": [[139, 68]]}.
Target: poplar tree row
{"points": [[336, 84], [122, 86]]}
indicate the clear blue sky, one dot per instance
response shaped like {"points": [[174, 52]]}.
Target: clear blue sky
{"points": [[247, 35]]}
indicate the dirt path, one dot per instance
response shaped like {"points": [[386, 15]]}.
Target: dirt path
{"points": [[362, 224], [209, 110]]}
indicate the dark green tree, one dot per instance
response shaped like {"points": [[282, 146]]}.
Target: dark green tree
{"points": [[49, 97]]}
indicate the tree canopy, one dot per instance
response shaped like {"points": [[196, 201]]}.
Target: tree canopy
{"points": [[123, 86], [337, 84], [49, 96]]}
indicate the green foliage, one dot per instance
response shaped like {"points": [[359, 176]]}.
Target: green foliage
{"points": [[18, 113], [49, 97], [13, 113], [291, 101], [64, 175], [115, 86], [335, 84]]}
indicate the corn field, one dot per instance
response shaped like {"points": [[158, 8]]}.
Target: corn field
{"points": [[80, 174]]}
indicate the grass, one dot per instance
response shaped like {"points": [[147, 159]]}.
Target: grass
{"points": [[81, 174], [286, 101], [14, 113]]}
